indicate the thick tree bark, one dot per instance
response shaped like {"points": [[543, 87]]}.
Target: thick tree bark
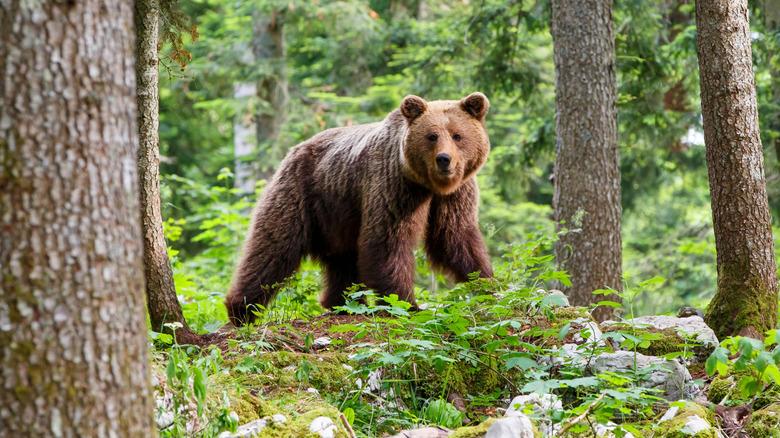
{"points": [[161, 297], [269, 50], [746, 299], [587, 160], [772, 23], [73, 341]]}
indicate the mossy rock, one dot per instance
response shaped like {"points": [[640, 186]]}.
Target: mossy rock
{"points": [[668, 339], [676, 427], [560, 314], [726, 384], [477, 431], [765, 423]]}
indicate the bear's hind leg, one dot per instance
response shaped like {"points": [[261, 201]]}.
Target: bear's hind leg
{"points": [[277, 241], [340, 273]]}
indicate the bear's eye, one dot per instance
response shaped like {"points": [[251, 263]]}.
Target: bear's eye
{"points": [[433, 137], [456, 137]]}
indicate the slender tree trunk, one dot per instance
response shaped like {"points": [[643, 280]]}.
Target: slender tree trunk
{"points": [[269, 50], [746, 300], [73, 341], [161, 297], [587, 160], [244, 140]]}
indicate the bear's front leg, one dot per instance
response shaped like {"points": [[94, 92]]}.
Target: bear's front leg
{"points": [[453, 241], [386, 264]]}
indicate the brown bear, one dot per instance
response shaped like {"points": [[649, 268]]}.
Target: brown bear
{"points": [[360, 198]]}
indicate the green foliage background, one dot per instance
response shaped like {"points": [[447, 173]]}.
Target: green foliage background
{"points": [[353, 61]]}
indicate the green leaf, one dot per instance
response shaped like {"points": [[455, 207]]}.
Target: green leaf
{"points": [[563, 331], [763, 360], [349, 414], [541, 386], [718, 357], [425, 345], [521, 362], [444, 414], [389, 359], [654, 280], [582, 381]]}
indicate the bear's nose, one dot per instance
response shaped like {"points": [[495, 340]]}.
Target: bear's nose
{"points": [[443, 161]]}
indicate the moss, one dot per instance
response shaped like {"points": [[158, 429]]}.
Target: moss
{"points": [[463, 379], [747, 298], [327, 372], [673, 428], [720, 388], [477, 431], [569, 313], [765, 423], [723, 385]]}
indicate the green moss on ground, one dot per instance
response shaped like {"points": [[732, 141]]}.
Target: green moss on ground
{"points": [[674, 428], [765, 423], [725, 384], [463, 379]]}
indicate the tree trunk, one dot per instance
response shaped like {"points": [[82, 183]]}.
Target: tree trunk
{"points": [[587, 160], [772, 23], [269, 50], [161, 297], [73, 341], [746, 300], [244, 140]]}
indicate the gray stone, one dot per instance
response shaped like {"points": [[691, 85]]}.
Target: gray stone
{"points": [[607, 430], [669, 414], [515, 426], [279, 418], [542, 405], [670, 380], [690, 327], [324, 427], [686, 311], [248, 430], [320, 343]]}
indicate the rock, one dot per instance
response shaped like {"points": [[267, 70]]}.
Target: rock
{"points": [[671, 380], [515, 426], [606, 430], [155, 381], [320, 343], [324, 427], [313, 391], [248, 430], [686, 311], [428, 432], [164, 419], [692, 419], [690, 327], [593, 331], [279, 418], [542, 405], [670, 413]]}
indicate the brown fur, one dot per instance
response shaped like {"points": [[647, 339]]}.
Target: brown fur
{"points": [[359, 199]]}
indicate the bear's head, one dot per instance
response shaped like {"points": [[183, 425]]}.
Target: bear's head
{"points": [[445, 142]]}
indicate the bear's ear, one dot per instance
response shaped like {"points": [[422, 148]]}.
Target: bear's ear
{"points": [[475, 104], [413, 107]]}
